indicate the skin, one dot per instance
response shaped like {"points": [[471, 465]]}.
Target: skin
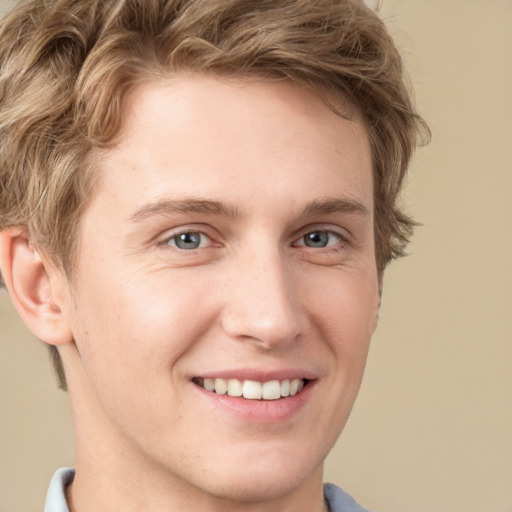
{"points": [[250, 169]]}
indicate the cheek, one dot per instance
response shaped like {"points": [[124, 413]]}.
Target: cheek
{"points": [[346, 306], [346, 310], [124, 326]]}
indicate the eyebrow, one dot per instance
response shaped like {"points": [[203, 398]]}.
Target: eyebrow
{"points": [[207, 207], [167, 206], [336, 205]]}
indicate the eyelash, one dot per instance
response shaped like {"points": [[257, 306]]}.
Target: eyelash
{"points": [[175, 237], [322, 232], [300, 242]]}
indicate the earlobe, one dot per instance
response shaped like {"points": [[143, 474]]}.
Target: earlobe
{"points": [[37, 289]]}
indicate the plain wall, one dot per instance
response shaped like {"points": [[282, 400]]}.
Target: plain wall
{"points": [[432, 428]]}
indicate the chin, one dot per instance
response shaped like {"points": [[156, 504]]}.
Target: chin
{"points": [[269, 478], [255, 488]]}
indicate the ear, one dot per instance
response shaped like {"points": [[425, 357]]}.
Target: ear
{"points": [[38, 290], [378, 302]]}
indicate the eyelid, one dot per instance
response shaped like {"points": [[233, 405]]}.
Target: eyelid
{"points": [[343, 234], [301, 242], [201, 229], [173, 242]]}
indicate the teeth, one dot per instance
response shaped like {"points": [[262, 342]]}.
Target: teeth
{"points": [[209, 384], [271, 390], [253, 390], [234, 387], [294, 386], [221, 387]]}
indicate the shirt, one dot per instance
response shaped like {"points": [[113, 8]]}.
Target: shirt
{"points": [[337, 499]]}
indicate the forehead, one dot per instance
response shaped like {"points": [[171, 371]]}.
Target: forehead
{"points": [[192, 132]]}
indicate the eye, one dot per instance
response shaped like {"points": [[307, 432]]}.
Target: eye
{"points": [[189, 240], [319, 239]]}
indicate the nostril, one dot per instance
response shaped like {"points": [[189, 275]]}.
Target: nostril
{"points": [[269, 328]]}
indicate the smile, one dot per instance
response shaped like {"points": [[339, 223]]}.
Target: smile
{"points": [[251, 389]]}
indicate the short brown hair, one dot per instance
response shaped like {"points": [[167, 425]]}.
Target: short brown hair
{"points": [[66, 65]]}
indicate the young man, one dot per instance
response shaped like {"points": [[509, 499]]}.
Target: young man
{"points": [[198, 201]]}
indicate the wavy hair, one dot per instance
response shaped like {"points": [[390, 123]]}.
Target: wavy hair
{"points": [[66, 66]]}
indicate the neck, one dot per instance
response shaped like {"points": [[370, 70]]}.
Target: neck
{"points": [[92, 494], [123, 486]]}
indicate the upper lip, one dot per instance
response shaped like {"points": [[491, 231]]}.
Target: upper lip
{"points": [[258, 375]]}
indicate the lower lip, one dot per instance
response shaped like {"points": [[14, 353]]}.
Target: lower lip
{"points": [[260, 411]]}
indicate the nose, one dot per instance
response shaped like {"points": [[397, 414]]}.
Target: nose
{"points": [[263, 304]]}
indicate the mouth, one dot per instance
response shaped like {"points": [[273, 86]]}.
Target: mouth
{"points": [[251, 389]]}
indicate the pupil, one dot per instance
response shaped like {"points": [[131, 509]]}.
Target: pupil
{"points": [[316, 239], [188, 241]]}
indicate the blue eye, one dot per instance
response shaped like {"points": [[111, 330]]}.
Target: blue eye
{"points": [[189, 240], [320, 239]]}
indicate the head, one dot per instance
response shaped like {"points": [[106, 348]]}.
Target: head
{"points": [[67, 66], [70, 71]]}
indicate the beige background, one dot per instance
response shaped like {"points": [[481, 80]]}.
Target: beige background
{"points": [[432, 429]]}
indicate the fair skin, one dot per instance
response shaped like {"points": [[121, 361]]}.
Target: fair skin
{"points": [[230, 237]]}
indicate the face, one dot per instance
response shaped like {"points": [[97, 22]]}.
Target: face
{"points": [[228, 251]]}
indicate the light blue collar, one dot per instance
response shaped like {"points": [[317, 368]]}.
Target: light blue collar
{"points": [[337, 499], [56, 496]]}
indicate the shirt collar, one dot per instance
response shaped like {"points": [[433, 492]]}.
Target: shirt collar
{"points": [[56, 496], [337, 499]]}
